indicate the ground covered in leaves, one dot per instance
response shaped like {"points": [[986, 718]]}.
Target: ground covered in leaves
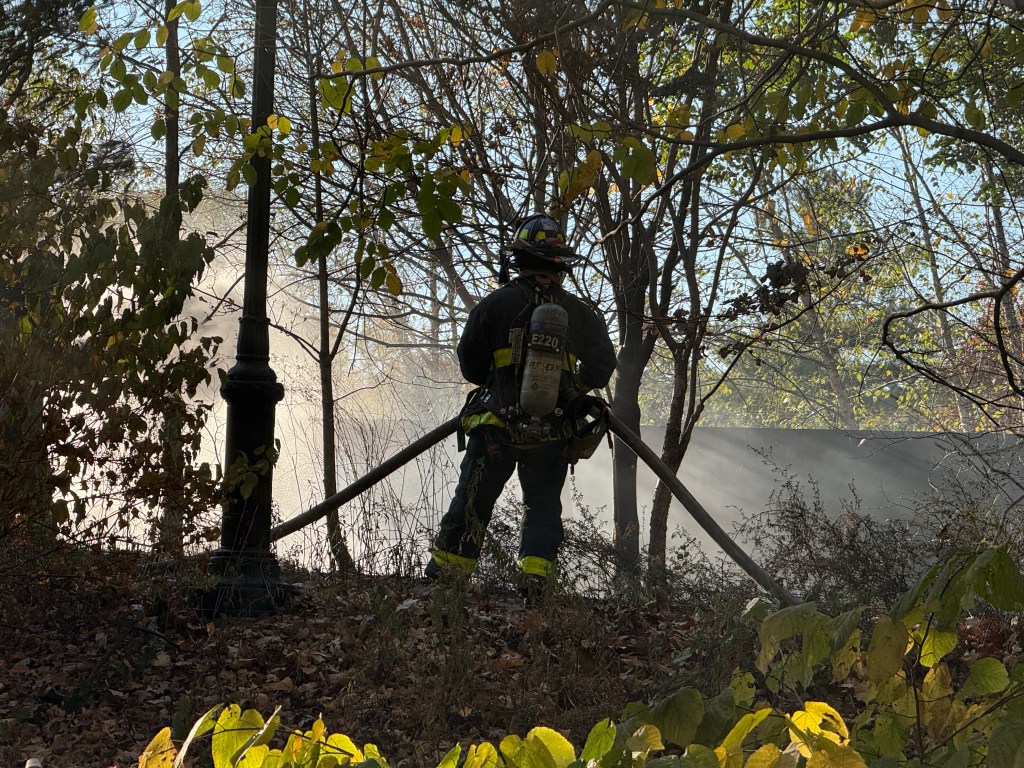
{"points": [[99, 654]]}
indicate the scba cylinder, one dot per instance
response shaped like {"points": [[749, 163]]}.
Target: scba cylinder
{"points": [[542, 368]]}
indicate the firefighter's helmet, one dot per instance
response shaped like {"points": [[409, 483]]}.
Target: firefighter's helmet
{"points": [[539, 243]]}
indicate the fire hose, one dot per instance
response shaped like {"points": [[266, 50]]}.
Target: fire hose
{"points": [[635, 444], [371, 478], [698, 513]]}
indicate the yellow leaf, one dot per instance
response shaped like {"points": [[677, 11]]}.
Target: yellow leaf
{"points": [[766, 756], [937, 699], [829, 720], [160, 752], [836, 756], [466, 176], [561, 750], [677, 122], [341, 745], [455, 136], [646, 739], [481, 756], [986, 49], [547, 62], [735, 132]]}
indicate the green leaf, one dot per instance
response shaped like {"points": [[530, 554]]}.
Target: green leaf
{"points": [[142, 38], [599, 741], [936, 644], [122, 100], [987, 676], [678, 716], [227, 737], [88, 23], [974, 116], [591, 131], [699, 756], [336, 93], [366, 266], [122, 41], [644, 740], [372, 62], [998, 580], [201, 727], [843, 627], [637, 161], [1006, 746], [782, 625], [192, 10], [1014, 95], [886, 649], [451, 760], [118, 70]]}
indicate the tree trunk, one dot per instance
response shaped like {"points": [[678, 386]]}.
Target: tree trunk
{"points": [[340, 555], [174, 505]]}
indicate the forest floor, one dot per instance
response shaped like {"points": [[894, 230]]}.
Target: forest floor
{"points": [[98, 656]]}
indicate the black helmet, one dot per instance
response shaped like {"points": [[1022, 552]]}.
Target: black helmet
{"points": [[538, 243]]}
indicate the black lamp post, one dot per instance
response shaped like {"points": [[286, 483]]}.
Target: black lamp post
{"points": [[249, 578]]}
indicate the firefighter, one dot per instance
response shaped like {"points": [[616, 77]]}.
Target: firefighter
{"points": [[535, 351]]}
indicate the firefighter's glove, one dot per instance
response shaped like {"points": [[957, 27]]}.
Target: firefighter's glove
{"points": [[588, 421], [585, 408]]}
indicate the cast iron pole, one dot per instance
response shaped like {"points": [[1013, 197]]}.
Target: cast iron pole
{"points": [[249, 578]]}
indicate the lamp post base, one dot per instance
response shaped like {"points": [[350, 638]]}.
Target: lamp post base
{"points": [[249, 584]]}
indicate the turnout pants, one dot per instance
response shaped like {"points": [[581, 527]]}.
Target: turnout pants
{"points": [[486, 467]]}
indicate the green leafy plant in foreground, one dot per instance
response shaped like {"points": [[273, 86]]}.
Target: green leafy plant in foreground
{"points": [[915, 703]]}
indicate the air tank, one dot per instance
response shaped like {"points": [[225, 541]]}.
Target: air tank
{"points": [[542, 366]]}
